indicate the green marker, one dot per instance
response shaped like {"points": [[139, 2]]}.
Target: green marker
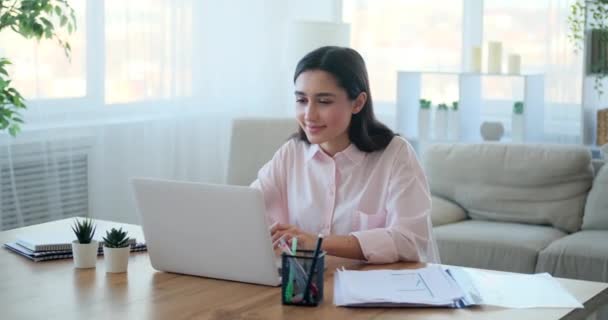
{"points": [[289, 289]]}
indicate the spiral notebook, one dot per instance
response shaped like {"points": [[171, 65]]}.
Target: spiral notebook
{"points": [[55, 240], [57, 254]]}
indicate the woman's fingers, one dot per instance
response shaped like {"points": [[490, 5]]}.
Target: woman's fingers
{"points": [[279, 234], [275, 243], [286, 234], [279, 227], [276, 236]]}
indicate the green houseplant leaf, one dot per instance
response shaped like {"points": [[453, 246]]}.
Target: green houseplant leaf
{"points": [[425, 104], [589, 19], [116, 239], [518, 107], [455, 106], [84, 230], [37, 19]]}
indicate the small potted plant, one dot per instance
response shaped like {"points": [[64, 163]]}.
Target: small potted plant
{"points": [[84, 248], [441, 122], [116, 250], [424, 119], [518, 126]]}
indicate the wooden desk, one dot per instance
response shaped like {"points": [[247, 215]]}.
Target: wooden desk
{"points": [[55, 290]]}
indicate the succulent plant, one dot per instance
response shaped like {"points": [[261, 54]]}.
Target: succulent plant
{"points": [[442, 106], [116, 239], [84, 230], [455, 106], [425, 104], [518, 107]]}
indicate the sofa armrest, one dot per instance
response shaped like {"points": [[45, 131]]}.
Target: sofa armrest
{"points": [[444, 211]]}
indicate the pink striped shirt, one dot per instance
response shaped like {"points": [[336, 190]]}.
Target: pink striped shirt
{"points": [[382, 198]]}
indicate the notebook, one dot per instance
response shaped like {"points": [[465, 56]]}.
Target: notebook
{"points": [[56, 254], [54, 240]]}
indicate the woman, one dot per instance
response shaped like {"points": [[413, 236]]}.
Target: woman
{"points": [[344, 174]]}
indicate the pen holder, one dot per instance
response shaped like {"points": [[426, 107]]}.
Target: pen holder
{"points": [[295, 273]]}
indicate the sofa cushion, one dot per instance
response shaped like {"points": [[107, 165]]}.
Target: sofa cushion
{"points": [[596, 209], [535, 184], [582, 255], [445, 211], [494, 245]]}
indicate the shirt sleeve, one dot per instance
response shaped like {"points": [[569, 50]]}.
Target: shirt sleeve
{"points": [[408, 233], [271, 181]]}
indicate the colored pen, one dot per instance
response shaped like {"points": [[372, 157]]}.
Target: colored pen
{"points": [[312, 267], [289, 289]]}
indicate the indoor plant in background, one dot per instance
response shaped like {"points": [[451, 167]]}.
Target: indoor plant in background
{"points": [[441, 122], [36, 19], [454, 122], [84, 249], [518, 122], [424, 119], [116, 251], [592, 14]]}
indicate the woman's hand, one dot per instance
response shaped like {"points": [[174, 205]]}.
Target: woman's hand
{"points": [[288, 231]]}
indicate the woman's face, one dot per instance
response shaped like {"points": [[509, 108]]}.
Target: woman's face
{"points": [[323, 109]]}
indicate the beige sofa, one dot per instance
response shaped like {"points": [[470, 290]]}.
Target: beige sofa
{"points": [[520, 208]]}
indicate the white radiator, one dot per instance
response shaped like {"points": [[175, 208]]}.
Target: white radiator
{"points": [[43, 181]]}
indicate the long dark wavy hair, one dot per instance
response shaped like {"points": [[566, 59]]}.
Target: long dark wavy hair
{"points": [[348, 68]]}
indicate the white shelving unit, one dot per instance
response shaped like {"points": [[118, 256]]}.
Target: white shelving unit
{"points": [[409, 85]]}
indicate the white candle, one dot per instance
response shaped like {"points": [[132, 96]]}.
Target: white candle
{"points": [[476, 59], [494, 57], [514, 64]]}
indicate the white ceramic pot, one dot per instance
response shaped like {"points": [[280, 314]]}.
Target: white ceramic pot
{"points": [[492, 131], [424, 122], [441, 125], [85, 254], [518, 128], [116, 259], [454, 125]]}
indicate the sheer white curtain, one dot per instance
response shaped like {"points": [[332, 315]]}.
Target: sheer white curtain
{"points": [[538, 30], [151, 91], [400, 35]]}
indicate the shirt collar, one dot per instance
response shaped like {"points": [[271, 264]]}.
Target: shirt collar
{"points": [[351, 152], [312, 151]]}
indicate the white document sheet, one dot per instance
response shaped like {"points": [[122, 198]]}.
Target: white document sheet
{"points": [[457, 287], [429, 286], [516, 290]]}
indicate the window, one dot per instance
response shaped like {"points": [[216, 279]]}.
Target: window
{"points": [[404, 35], [537, 30], [40, 70], [148, 50]]}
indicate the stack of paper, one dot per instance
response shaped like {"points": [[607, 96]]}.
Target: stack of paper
{"points": [[38, 256], [437, 286], [54, 244], [430, 287], [515, 290]]}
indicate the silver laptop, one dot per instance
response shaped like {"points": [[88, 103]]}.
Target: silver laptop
{"points": [[215, 231]]}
